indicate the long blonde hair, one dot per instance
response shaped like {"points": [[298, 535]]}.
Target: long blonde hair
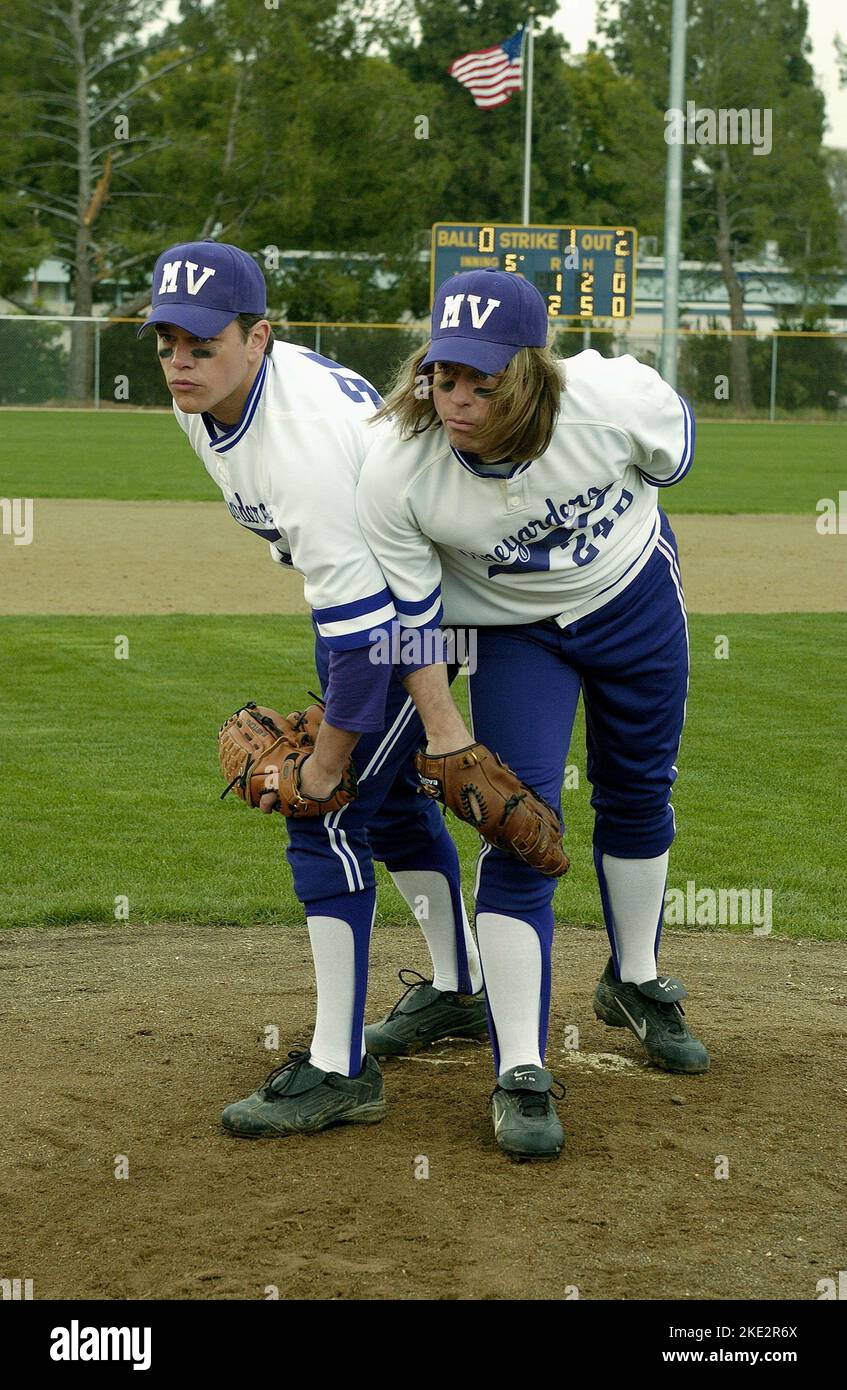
{"points": [[524, 405]]}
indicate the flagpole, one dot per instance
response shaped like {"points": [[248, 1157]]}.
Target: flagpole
{"points": [[529, 41]]}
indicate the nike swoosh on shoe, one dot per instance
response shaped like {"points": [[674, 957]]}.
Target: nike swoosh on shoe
{"points": [[640, 1028]]}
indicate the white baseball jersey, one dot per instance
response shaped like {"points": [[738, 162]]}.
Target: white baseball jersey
{"points": [[288, 471], [557, 537]]}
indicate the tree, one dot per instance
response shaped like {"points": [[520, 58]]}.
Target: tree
{"points": [[316, 153], [75, 155], [597, 153], [742, 55], [484, 147], [24, 240], [616, 175], [238, 121]]}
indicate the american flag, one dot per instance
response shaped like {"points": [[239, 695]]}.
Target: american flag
{"points": [[492, 74]]}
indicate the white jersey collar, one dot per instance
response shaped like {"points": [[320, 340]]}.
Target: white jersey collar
{"points": [[471, 463]]}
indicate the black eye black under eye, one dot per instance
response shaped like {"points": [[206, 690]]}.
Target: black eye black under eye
{"points": [[201, 352]]}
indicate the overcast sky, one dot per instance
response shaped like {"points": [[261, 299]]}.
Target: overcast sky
{"points": [[576, 20]]}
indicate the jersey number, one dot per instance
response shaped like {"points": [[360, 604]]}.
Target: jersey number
{"points": [[538, 557], [355, 387]]}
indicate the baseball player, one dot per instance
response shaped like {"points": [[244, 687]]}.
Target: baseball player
{"points": [[282, 432], [519, 494]]}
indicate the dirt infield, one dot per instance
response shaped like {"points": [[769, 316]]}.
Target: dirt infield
{"points": [[130, 1041], [99, 557]]}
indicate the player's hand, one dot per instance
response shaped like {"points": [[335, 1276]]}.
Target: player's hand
{"points": [[482, 791], [317, 782], [264, 758]]}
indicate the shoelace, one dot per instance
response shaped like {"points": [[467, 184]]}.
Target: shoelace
{"points": [[401, 975], [533, 1104], [672, 1016], [296, 1059]]}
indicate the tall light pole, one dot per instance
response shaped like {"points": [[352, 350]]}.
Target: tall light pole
{"points": [[673, 199]]}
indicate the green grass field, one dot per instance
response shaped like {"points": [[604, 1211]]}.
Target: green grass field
{"points": [[72, 453], [738, 468], [110, 778]]}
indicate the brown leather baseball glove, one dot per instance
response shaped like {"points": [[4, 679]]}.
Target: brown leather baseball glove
{"points": [[262, 756], [482, 791]]}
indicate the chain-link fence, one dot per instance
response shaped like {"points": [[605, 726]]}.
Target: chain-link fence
{"points": [[102, 362]]}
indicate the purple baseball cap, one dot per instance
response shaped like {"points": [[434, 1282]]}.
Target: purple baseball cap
{"points": [[202, 285], [481, 318]]}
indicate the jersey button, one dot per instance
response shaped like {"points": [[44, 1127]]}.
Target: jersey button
{"points": [[514, 503]]}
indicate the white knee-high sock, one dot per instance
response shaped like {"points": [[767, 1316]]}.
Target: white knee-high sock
{"points": [[335, 970], [428, 894], [511, 963], [636, 891]]}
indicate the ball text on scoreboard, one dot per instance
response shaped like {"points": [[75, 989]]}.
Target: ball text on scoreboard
{"points": [[583, 272]]}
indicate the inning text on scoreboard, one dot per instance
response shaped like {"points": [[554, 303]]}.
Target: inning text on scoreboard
{"points": [[583, 272]]}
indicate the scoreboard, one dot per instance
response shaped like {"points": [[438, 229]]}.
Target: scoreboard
{"points": [[583, 272]]}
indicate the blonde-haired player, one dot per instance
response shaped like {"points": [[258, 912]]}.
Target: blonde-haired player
{"points": [[518, 494]]}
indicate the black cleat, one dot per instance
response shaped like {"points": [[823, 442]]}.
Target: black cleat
{"points": [[526, 1125], [425, 1015], [652, 1012], [301, 1099]]}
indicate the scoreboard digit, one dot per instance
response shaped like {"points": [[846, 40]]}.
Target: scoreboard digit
{"points": [[583, 272]]}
